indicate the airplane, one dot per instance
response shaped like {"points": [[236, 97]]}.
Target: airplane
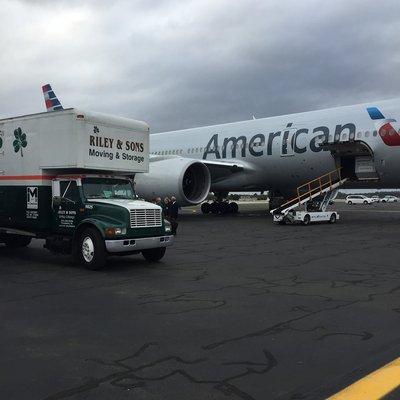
{"points": [[277, 154]]}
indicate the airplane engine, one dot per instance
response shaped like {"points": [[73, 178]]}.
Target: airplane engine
{"points": [[188, 180]]}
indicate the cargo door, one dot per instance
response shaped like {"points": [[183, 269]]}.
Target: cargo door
{"points": [[365, 168], [355, 158]]}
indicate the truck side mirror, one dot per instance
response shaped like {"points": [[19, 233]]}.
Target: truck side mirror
{"points": [[57, 201]]}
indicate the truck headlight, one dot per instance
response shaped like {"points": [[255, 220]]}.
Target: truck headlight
{"points": [[110, 232], [167, 225]]}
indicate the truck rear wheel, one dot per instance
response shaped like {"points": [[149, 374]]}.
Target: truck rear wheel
{"points": [[15, 241], [154, 255], [91, 250]]}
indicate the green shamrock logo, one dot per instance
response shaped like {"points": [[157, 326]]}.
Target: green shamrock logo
{"points": [[20, 141]]}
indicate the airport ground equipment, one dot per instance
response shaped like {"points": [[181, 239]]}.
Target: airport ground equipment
{"points": [[315, 196], [68, 177]]}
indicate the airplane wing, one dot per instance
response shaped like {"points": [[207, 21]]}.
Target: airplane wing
{"points": [[51, 101]]}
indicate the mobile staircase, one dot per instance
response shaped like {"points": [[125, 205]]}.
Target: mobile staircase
{"points": [[315, 195]]}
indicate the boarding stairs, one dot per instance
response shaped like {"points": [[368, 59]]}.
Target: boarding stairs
{"points": [[326, 185]]}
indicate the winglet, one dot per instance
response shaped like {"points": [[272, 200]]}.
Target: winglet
{"points": [[50, 99]]}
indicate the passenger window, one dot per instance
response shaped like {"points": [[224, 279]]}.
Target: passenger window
{"points": [[366, 134], [375, 133]]}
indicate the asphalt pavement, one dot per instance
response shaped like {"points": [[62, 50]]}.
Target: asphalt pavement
{"points": [[239, 308]]}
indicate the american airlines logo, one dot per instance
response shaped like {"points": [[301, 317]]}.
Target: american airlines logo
{"points": [[385, 128], [289, 141]]}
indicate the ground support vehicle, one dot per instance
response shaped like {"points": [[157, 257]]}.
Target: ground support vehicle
{"points": [[68, 177], [314, 196]]}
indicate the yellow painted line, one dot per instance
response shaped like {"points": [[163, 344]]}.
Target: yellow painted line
{"points": [[374, 386]]}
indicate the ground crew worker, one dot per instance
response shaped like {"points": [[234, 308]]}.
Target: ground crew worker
{"points": [[158, 202], [173, 214], [165, 205]]}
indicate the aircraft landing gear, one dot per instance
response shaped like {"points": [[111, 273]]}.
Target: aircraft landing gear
{"points": [[220, 205]]}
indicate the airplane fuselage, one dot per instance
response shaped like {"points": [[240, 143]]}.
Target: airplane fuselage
{"points": [[285, 151]]}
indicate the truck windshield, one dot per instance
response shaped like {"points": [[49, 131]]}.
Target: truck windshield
{"points": [[108, 188]]}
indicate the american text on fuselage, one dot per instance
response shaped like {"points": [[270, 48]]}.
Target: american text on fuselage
{"points": [[238, 146]]}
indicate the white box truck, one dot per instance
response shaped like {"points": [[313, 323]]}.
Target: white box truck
{"points": [[68, 177]]}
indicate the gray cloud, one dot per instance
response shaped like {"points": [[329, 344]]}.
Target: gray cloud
{"points": [[183, 64]]}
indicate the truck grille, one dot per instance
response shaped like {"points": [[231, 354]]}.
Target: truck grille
{"points": [[143, 218]]}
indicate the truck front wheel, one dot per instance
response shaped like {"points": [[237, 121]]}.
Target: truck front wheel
{"points": [[154, 255], [90, 249]]}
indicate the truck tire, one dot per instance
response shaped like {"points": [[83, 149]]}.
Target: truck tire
{"points": [[349, 203], [154, 255], [365, 202], [332, 219], [306, 220], [90, 249], [15, 241]]}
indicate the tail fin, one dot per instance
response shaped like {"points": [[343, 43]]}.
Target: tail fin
{"points": [[50, 99]]}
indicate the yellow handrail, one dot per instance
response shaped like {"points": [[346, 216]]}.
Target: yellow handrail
{"points": [[320, 187]]}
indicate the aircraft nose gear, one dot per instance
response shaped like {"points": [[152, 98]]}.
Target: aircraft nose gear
{"points": [[220, 207]]}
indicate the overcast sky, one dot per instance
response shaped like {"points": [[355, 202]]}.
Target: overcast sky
{"points": [[180, 64]]}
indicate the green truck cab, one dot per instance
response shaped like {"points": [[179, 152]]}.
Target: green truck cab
{"points": [[80, 198]]}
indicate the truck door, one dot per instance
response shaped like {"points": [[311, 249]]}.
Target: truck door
{"points": [[66, 204], [287, 142]]}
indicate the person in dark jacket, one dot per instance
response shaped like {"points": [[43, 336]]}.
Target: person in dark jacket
{"points": [[173, 214], [165, 206]]}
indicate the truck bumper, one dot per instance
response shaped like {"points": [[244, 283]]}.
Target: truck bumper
{"points": [[129, 245]]}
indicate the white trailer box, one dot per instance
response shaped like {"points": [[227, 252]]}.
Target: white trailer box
{"points": [[40, 144]]}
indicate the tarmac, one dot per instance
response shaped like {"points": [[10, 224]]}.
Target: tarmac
{"points": [[239, 308]]}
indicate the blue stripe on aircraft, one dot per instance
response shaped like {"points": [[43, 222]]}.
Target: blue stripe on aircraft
{"points": [[374, 113]]}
